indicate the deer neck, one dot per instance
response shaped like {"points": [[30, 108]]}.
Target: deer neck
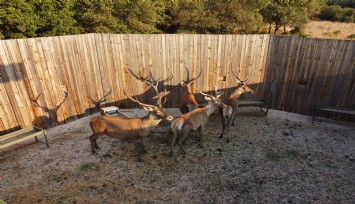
{"points": [[150, 120], [236, 93], [210, 108], [186, 89]]}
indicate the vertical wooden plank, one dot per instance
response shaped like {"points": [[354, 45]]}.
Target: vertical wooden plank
{"points": [[22, 103], [7, 115]]}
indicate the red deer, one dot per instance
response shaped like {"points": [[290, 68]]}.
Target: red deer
{"points": [[135, 128], [187, 100], [194, 120], [229, 112]]}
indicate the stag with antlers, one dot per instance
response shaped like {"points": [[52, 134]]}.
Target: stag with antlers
{"points": [[135, 128], [228, 113], [52, 112], [187, 100], [195, 120]]}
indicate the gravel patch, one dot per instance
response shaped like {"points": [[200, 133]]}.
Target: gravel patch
{"points": [[279, 159]]}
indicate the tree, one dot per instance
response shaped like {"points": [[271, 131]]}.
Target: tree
{"points": [[56, 18], [17, 19], [292, 13], [98, 17], [196, 17], [239, 16], [140, 16]]}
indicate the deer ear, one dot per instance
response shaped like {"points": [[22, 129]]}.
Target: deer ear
{"points": [[148, 108], [207, 98]]}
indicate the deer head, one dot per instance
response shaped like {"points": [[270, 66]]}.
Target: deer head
{"points": [[243, 85], [157, 110], [214, 98]]}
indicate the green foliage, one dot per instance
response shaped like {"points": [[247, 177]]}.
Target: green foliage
{"points": [[98, 17], [293, 13], [140, 16], [293, 154], [17, 19], [32, 18], [272, 155], [56, 18], [86, 168], [337, 13], [276, 156]]}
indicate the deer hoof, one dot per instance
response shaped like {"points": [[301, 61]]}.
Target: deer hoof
{"points": [[220, 137]]}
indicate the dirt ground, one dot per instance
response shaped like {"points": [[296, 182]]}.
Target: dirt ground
{"points": [[269, 160]]}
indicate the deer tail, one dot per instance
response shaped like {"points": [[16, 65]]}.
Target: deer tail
{"points": [[177, 124]]}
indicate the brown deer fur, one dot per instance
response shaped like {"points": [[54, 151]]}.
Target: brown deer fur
{"points": [[122, 128], [187, 101], [229, 112], [194, 120], [135, 128]]}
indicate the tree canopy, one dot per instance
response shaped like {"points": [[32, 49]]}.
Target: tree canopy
{"points": [[33, 18]]}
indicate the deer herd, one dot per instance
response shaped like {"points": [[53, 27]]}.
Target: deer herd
{"points": [[193, 118]]}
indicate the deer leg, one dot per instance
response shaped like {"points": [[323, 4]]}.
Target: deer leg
{"points": [[185, 134], [200, 131], [227, 132], [93, 142], [95, 145], [223, 125], [234, 114], [173, 143], [139, 146]]}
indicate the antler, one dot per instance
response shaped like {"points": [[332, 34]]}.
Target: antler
{"points": [[174, 75], [101, 100], [241, 81], [136, 100], [193, 78], [65, 98], [140, 77], [154, 84], [35, 101], [215, 89], [188, 80], [159, 96]]}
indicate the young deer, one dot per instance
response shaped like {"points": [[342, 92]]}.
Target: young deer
{"points": [[194, 120], [187, 100], [136, 128], [229, 112]]}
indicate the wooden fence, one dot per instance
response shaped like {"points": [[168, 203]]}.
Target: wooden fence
{"points": [[293, 73]]}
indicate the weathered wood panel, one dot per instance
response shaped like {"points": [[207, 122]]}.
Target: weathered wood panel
{"points": [[303, 72], [293, 73]]}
